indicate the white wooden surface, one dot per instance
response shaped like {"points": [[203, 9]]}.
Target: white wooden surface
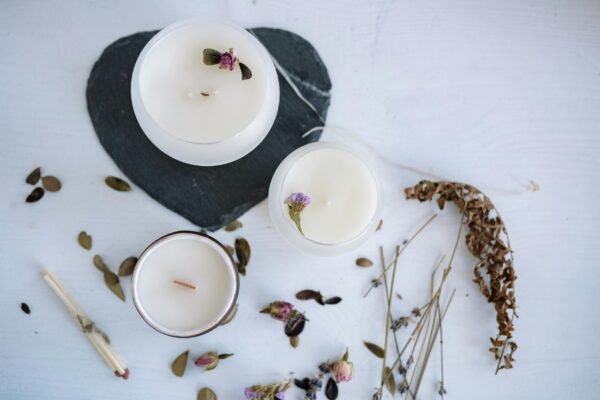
{"points": [[487, 92]]}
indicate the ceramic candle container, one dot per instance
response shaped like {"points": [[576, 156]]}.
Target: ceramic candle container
{"points": [[185, 284], [344, 195], [199, 113]]}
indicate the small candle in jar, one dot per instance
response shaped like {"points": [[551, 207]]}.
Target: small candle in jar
{"points": [[344, 197], [184, 284]]}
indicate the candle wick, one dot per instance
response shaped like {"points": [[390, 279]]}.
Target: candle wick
{"points": [[205, 94], [184, 284]]}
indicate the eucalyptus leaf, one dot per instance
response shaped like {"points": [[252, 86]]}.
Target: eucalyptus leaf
{"points": [[206, 394], [84, 240], [127, 266], [376, 350], [35, 195], [230, 316], [390, 382], [211, 56], [331, 389], [233, 226], [117, 184], [34, 176], [246, 73], [51, 183], [180, 363]]}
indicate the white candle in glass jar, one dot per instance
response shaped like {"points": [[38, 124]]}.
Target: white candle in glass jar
{"points": [[345, 198], [185, 284], [202, 114]]}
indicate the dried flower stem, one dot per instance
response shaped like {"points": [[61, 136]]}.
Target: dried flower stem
{"points": [[388, 294], [437, 309], [388, 318], [408, 242]]}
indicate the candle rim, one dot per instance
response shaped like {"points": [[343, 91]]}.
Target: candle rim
{"points": [[277, 197], [189, 332]]}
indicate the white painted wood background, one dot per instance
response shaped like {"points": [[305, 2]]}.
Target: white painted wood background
{"points": [[494, 93]]}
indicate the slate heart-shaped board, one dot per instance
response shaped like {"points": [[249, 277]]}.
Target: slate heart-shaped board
{"points": [[210, 197]]}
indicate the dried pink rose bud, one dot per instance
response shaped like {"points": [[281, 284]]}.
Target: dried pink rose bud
{"points": [[280, 310], [228, 60], [207, 361], [342, 371]]}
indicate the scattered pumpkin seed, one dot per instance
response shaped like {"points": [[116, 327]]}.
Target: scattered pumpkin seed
{"points": [[84, 240], [364, 262], [117, 184], [35, 195], [206, 394], [233, 226], [180, 363], [375, 349], [51, 183], [127, 266], [231, 315], [34, 176], [295, 341]]}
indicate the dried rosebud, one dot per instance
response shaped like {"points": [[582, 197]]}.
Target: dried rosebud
{"points": [[280, 310], [207, 361], [342, 371], [228, 60]]}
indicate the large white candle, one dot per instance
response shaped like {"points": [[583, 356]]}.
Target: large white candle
{"points": [[184, 284], [345, 198], [202, 114]]}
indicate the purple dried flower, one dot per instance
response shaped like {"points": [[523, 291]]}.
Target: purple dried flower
{"points": [[249, 393], [296, 203], [228, 60], [280, 396]]}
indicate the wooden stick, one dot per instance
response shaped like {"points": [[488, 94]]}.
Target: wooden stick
{"points": [[97, 340], [185, 284]]}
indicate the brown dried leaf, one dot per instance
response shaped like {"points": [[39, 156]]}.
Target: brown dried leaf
{"points": [[364, 262], [34, 176], [51, 183], [180, 363], [308, 294], [35, 195], [127, 266], [84, 240], [117, 184]]}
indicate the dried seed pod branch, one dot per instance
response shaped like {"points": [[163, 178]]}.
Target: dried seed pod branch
{"points": [[488, 241]]}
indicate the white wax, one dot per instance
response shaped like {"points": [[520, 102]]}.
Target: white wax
{"points": [[192, 259], [343, 194], [173, 76]]}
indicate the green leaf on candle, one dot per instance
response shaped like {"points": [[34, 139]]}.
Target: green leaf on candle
{"points": [[295, 217], [117, 184], [84, 240], [127, 266], [206, 394], [246, 73], [211, 56], [178, 366]]}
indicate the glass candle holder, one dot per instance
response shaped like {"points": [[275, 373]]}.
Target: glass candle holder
{"points": [[204, 114], [345, 198], [185, 284]]}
